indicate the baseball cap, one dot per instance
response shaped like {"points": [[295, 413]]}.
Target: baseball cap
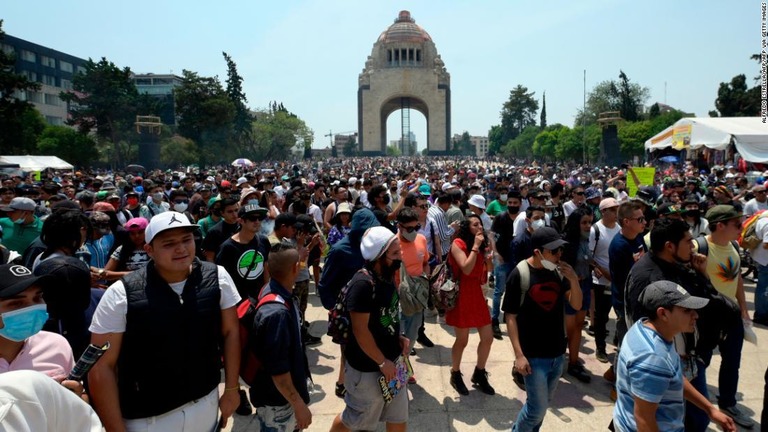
{"points": [[16, 278], [375, 242], [607, 203], [251, 209], [20, 203], [477, 201], [592, 193], [547, 238], [136, 224], [425, 190], [241, 181], [225, 184], [163, 222], [305, 223], [722, 212], [667, 294], [668, 208]]}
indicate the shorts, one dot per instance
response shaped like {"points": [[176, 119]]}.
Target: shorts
{"points": [[365, 406], [276, 418], [586, 295]]}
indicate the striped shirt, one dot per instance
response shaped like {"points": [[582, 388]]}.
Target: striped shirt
{"points": [[444, 231], [649, 368]]}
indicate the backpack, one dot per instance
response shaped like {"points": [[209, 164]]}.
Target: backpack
{"points": [[250, 363], [703, 245], [444, 287], [748, 238], [339, 321]]}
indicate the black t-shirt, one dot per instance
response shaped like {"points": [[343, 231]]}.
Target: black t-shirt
{"points": [[540, 318], [503, 227], [624, 253], [276, 340], [557, 220], [382, 303], [218, 234], [382, 216], [245, 263]]}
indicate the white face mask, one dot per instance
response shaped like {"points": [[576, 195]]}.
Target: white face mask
{"points": [[157, 196], [503, 197], [180, 207], [547, 264], [538, 224]]}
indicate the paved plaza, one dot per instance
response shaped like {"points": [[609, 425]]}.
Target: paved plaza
{"points": [[435, 405]]}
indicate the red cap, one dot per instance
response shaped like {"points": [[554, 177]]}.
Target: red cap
{"points": [[226, 184]]}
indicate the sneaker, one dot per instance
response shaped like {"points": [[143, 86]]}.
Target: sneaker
{"points": [[496, 330], [614, 396], [412, 380], [424, 340], [310, 340], [413, 352], [518, 378], [738, 417], [578, 371], [340, 390], [480, 381], [245, 408], [457, 382], [610, 375], [602, 356], [591, 330]]}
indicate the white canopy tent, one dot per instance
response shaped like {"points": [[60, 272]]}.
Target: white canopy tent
{"points": [[37, 163], [749, 135]]}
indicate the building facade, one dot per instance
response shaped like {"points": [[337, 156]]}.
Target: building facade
{"points": [[479, 143], [53, 70], [161, 87]]}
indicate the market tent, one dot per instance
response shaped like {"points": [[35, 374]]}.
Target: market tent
{"points": [[749, 135], [36, 163]]}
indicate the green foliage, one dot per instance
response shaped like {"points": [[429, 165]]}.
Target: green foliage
{"points": [[543, 117], [612, 96], [522, 145], [178, 151], [74, 147], [462, 146], [276, 132], [241, 127], [495, 140], [517, 113], [632, 137], [735, 100], [350, 147], [545, 142], [629, 107], [654, 111], [206, 115], [105, 99], [20, 123], [392, 150]]}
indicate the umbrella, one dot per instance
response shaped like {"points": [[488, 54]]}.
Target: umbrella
{"points": [[669, 159], [135, 168], [242, 162]]}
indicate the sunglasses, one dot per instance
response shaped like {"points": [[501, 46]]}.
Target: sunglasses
{"points": [[255, 218], [411, 229], [181, 202], [579, 193], [640, 219]]}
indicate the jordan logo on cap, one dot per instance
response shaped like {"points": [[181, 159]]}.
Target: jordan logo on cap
{"points": [[173, 219]]}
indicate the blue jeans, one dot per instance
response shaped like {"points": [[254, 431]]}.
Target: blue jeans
{"points": [[761, 294], [540, 386], [730, 355], [697, 420], [500, 273], [409, 325]]}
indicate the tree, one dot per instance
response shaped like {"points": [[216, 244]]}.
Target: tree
{"points": [[463, 146], [518, 112], [241, 133], [545, 142], [392, 150], [632, 137], [543, 117], [178, 151], [571, 143], [276, 132], [20, 122], [607, 96], [495, 140], [104, 99], [350, 147], [206, 115], [735, 100], [74, 147], [654, 112], [522, 145], [629, 105]]}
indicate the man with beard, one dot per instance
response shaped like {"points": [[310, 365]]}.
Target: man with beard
{"points": [[375, 342], [672, 258]]}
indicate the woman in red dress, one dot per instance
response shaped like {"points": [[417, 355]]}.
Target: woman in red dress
{"points": [[466, 259]]}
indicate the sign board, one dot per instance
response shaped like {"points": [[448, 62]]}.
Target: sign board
{"points": [[645, 176]]}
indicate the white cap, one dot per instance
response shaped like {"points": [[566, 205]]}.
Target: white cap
{"points": [[447, 186], [242, 180], [165, 221], [375, 242], [352, 181], [477, 201]]}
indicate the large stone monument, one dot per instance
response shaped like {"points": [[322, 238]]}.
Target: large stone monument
{"points": [[404, 71]]}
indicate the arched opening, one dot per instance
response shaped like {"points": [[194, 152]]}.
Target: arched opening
{"points": [[403, 121]]}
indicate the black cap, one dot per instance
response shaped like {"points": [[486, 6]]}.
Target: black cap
{"points": [[16, 278], [547, 238], [306, 223]]}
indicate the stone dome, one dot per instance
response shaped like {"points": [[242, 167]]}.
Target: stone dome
{"points": [[404, 29]]}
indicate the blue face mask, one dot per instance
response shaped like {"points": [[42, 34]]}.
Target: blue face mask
{"points": [[23, 323]]}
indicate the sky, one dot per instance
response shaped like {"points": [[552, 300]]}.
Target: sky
{"points": [[308, 54]]}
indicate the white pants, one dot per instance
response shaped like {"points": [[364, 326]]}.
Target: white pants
{"points": [[196, 416]]}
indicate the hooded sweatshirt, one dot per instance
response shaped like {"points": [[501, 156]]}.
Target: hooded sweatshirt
{"points": [[344, 258]]}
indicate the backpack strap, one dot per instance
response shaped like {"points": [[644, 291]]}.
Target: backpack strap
{"points": [[597, 237], [525, 279]]}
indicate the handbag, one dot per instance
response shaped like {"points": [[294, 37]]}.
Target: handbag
{"points": [[444, 287], [414, 292]]}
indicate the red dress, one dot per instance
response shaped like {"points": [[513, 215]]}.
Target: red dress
{"points": [[471, 309]]}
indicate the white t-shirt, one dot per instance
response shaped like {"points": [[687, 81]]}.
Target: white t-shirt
{"points": [[601, 252], [569, 207], [110, 315], [753, 206], [760, 254]]}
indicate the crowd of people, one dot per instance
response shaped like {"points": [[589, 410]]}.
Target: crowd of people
{"points": [[159, 264]]}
